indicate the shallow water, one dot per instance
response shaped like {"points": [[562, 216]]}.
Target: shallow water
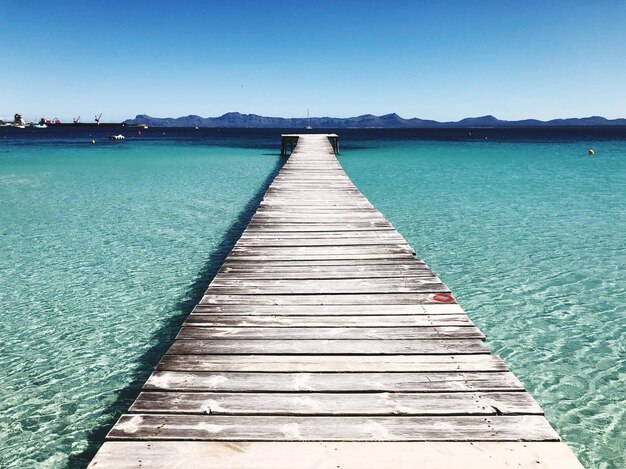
{"points": [[103, 249]]}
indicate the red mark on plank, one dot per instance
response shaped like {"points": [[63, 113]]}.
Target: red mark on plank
{"points": [[443, 298]]}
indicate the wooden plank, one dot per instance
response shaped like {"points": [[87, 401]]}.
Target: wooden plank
{"points": [[312, 242], [278, 207], [382, 234], [211, 403], [221, 285], [300, 191], [329, 347], [305, 227], [381, 321], [318, 299], [259, 234], [345, 219], [332, 382], [294, 256], [332, 206], [292, 181], [330, 181], [350, 270], [408, 262], [328, 333], [406, 266], [277, 204], [340, 203], [296, 267], [320, 274], [278, 428], [297, 197], [335, 363], [326, 285], [327, 191], [349, 220], [338, 288], [332, 194], [328, 309], [326, 455], [286, 256], [290, 177], [299, 172], [251, 234], [320, 250], [312, 193], [313, 217]]}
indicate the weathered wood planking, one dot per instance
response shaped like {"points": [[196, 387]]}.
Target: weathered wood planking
{"points": [[314, 235], [304, 428], [329, 347], [397, 403], [318, 242], [317, 274], [321, 325], [330, 333], [382, 321], [307, 286], [333, 382], [276, 227], [433, 308], [303, 263], [332, 455], [226, 284], [287, 256], [344, 299], [334, 363]]}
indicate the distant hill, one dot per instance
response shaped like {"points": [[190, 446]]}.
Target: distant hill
{"points": [[236, 119]]}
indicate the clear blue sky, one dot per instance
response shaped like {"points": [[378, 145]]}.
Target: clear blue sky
{"points": [[432, 59]]}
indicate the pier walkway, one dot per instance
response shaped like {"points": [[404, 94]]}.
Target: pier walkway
{"points": [[323, 343]]}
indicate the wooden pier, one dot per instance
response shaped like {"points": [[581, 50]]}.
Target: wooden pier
{"points": [[289, 141], [324, 343]]}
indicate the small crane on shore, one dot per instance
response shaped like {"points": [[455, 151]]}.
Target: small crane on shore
{"points": [[76, 120], [98, 119]]}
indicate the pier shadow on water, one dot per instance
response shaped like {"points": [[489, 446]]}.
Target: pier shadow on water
{"points": [[164, 337]]}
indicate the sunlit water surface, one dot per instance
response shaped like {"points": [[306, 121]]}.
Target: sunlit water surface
{"points": [[104, 248]]}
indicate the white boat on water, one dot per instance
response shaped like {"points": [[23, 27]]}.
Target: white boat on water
{"points": [[116, 137], [18, 122], [40, 126]]}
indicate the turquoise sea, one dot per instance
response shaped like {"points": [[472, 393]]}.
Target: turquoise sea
{"points": [[104, 249]]}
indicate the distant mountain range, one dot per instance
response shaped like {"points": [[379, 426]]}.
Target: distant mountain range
{"points": [[236, 119]]}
